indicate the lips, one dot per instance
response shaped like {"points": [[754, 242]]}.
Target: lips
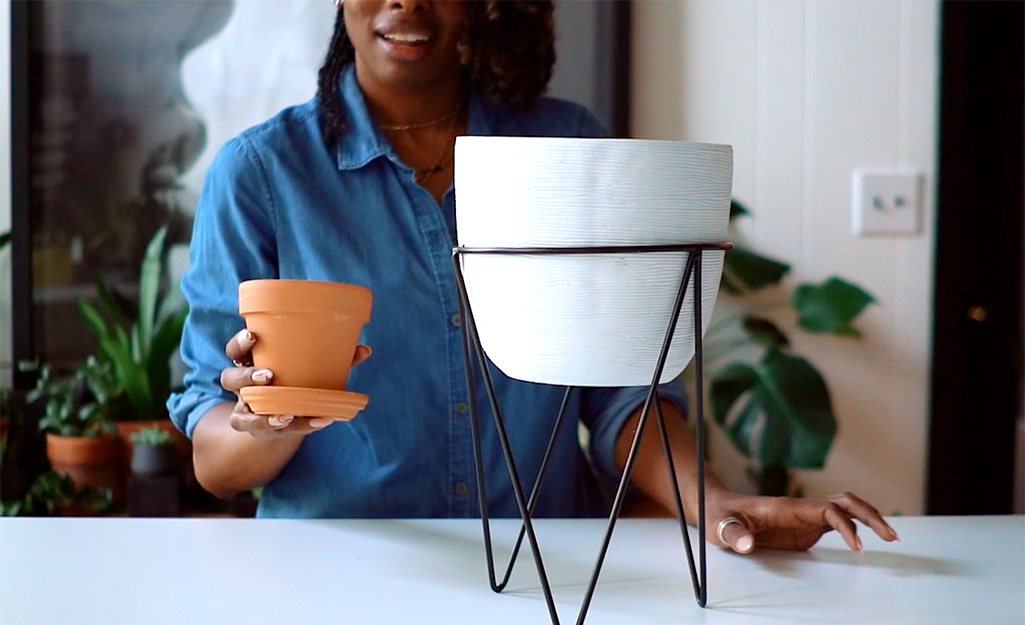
{"points": [[406, 43]]}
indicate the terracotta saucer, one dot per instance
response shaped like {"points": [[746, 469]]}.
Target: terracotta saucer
{"points": [[304, 402]]}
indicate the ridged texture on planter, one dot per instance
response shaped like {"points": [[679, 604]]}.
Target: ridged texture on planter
{"points": [[591, 320]]}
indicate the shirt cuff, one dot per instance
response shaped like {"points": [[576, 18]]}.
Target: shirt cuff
{"points": [[617, 408], [189, 407]]}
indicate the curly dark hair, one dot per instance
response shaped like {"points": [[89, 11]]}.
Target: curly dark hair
{"points": [[508, 49]]}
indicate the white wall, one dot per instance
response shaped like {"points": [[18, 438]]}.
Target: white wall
{"points": [[5, 192], [807, 91]]}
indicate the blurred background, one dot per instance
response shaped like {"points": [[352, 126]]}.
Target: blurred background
{"points": [[876, 142]]}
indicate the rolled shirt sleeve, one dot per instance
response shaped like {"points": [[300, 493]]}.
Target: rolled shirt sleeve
{"points": [[606, 411], [232, 241]]}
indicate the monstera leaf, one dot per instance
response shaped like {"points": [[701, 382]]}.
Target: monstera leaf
{"points": [[830, 306], [745, 270], [776, 411], [772, 404]]}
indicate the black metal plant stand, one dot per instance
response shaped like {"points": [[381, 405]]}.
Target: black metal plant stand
{"points": [[472, 345]]}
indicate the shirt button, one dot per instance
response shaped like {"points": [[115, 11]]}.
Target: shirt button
{"points": [[462, 488], [462, 407], [457, 321]]}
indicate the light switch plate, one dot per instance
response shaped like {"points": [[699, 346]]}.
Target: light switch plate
{"points": [[886, 202]]}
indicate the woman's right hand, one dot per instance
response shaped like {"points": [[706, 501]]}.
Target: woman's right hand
{"points": [[239, 350]]}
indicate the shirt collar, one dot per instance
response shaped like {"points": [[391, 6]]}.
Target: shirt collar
{"points": [[363, 141]]}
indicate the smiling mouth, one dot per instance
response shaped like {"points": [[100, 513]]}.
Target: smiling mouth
{"points": [[405, 39]]}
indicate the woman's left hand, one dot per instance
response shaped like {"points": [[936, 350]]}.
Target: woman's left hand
{"points": [[786, 523]]}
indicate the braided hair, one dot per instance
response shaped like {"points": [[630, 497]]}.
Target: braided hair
{"points": [[508, 49]]}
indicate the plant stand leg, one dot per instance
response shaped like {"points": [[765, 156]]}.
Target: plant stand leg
{"points": [[471, 343]]}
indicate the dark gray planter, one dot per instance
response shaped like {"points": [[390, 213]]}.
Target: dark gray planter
{"points": [[154, 459], [153, 488]]}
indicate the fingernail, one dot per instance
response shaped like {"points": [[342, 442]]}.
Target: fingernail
{"points": [[893, 533], [857, 542], [745, 544], [262, 376], [278, 421], [319, 423]]}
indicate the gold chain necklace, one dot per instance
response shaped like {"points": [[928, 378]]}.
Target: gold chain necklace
{"points": [[434, 122], [423, 174]]}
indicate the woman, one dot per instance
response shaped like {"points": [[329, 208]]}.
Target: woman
{"points": [[355, 186]]}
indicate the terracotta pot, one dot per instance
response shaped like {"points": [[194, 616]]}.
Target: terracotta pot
{"points": [[93, 462], [307, 330]]}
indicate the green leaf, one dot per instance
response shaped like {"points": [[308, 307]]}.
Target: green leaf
{"points": [[752, 270], [765, 332], [137, 345], [729, 285], [93, 318], [122, 340], [728, 386], [130, 376], [777, 412], [110, 304], [850, 331], [149, 287], [158, 362], [737, 210], [11, 508], [830, 306], [88, 413], [172, 302]]}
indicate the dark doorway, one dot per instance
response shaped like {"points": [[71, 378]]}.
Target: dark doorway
{"points": [[977, 345]]}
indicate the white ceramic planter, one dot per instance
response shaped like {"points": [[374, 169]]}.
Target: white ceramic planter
{"points": [[587, 320]]}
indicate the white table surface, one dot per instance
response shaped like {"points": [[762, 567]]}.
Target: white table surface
{"points": [[956, 570]]}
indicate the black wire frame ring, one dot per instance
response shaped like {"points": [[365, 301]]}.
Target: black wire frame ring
{"points": [[472, 349]]}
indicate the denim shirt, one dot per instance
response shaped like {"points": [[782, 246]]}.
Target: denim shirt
{"points": [[278, 204]]}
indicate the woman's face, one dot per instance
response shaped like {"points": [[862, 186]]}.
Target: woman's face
{"points": [[406, 43]]}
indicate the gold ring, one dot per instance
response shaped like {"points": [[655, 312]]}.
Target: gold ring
{"points": [[730, 520]]}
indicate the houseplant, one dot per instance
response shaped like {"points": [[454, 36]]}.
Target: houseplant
{"points": [[12, 424], [773, 404], [137, 340], [55, 493], [153, 452], [154, 488], [78, 419], [139, 350]]}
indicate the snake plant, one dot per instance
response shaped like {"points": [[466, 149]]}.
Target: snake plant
{"points": [[139, 351]]}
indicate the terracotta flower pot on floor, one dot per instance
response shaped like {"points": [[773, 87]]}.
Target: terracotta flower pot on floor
{"points": [[90, 461], [307, 332]]}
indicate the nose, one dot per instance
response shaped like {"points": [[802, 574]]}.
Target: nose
{"points": [[409, 6]]}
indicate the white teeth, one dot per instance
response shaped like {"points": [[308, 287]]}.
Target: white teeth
{"points": [[407, 38]]}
